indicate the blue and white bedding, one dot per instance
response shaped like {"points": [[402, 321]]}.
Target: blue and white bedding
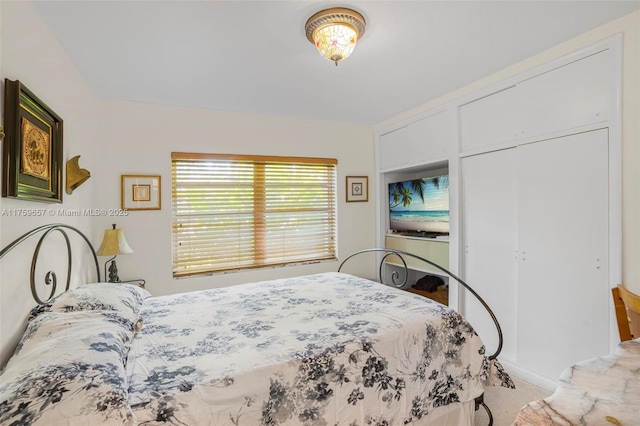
{"points": [[324, 349], [69, 367]]}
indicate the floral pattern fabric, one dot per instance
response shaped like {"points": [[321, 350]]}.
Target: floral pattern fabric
{"points": [[123, 298], [69, 369], [324, 349]]}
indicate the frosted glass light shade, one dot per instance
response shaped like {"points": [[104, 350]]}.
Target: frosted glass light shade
{"points": [[336, 42], [335, 32]]}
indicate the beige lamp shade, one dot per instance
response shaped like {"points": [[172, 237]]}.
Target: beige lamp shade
{"points": [[114, 243]]}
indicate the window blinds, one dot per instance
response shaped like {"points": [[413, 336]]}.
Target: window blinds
{"points": [[233, 212]]}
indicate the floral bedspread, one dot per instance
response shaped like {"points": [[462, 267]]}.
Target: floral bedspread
{"points": [[325, 349], [69, 366]]}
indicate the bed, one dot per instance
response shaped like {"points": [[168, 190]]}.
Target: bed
{"points": [[322, 349]]}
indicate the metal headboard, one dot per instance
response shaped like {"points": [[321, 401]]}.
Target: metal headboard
{"points": [[50, 277], [397, 283]]}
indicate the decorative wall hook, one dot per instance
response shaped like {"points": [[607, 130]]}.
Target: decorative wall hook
{"points": [[75, 175]]}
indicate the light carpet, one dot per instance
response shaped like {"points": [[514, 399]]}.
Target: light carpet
{"points": [[505, 403]]}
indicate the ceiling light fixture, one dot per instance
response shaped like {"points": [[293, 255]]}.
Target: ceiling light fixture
{"points": [[335, 31]]}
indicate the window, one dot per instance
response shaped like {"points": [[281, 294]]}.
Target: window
{"points": [[234, 211]]}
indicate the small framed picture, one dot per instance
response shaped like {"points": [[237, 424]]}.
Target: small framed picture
{"points": [[140, 192], [357, 188]]}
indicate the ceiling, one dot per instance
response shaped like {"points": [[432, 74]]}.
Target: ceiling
{"points": [[253, 56]]}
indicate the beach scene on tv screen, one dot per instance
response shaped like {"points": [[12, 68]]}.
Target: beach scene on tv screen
{"points": [[420, 205]]}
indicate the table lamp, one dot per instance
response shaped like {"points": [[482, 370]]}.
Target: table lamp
{"points": [[113, 244]]}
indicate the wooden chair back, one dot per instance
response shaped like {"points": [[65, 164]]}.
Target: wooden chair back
{"points": [[627, 306]]}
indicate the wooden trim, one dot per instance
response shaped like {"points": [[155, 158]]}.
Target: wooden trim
{"points": [[621, 315], [631, 303], [254, 158], [252, 267]]}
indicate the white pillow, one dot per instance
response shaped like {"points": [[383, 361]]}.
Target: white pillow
{"points": [[124, 298], [69, 368]]}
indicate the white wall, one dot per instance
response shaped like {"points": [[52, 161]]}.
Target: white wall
{"points": [[629, 26], [31, 54], [139, 139], [115, 138]]}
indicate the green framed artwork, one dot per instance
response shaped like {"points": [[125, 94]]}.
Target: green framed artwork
{"points": [[32, 151]]}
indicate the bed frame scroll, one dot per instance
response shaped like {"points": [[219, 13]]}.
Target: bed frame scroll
{"points": [[50, 278], [397, 283]]}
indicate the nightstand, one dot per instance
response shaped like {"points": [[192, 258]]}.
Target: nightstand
{"points": [[441, 295]]}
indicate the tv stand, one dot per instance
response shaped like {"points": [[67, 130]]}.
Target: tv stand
{"points": [[419, 234], [433, 249]]}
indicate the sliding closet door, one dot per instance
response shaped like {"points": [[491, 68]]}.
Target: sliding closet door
{"points": [[489, 244], [563, 292]]}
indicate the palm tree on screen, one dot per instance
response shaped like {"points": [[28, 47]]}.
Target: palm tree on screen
{"points": [[402, 195]]}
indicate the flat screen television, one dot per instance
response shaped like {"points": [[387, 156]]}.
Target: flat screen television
{"points": [[420, 207]]}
